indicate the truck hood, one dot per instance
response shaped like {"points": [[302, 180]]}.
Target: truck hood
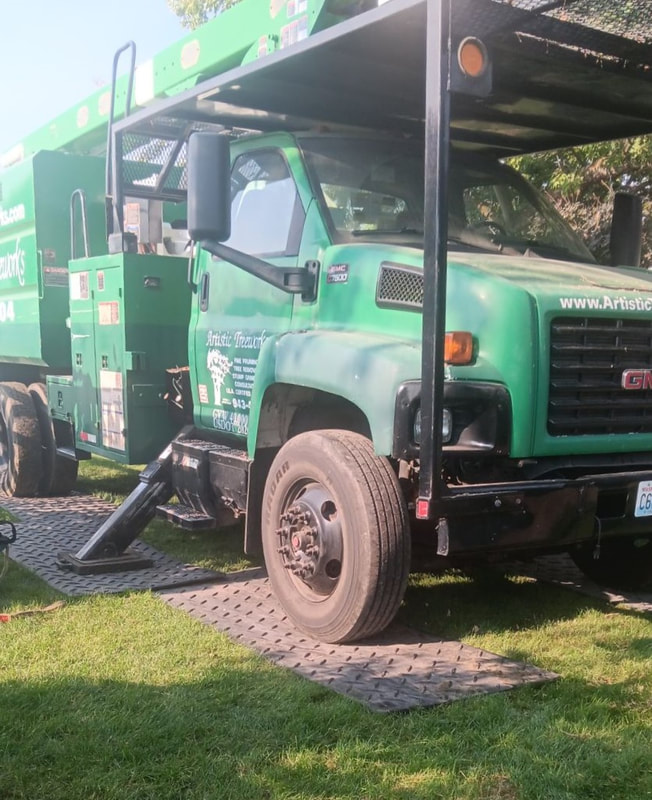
{"points": [[545, 277], [511, 305], [517, 306]]}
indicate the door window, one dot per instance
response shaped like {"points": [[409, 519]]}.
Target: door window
{"points": [[266, 213]]}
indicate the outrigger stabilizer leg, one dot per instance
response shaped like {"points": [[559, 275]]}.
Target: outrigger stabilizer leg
{"points": [[107, 550]]}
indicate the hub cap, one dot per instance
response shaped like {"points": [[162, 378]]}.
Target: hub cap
{"points": [[310, 537]]}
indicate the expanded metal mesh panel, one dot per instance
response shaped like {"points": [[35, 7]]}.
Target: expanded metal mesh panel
{"points": [[610, 31], [587, 359], [400, 287], [154, 158], [153, 162], [628, 19]]}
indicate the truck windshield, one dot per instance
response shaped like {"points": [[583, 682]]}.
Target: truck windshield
{"points": [[372, 189]]}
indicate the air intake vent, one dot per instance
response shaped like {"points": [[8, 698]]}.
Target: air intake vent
{"points": [[399, 286]]}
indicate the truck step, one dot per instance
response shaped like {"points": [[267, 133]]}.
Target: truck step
{"points": [[186, 517], [205, 473]]}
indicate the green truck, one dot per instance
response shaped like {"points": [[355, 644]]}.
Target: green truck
{"points": [[313, 293]]}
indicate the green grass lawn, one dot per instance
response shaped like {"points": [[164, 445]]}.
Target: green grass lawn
{"points": [[123, 697]]}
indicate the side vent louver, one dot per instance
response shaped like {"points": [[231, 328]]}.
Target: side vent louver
{"points": [[399, 286]]}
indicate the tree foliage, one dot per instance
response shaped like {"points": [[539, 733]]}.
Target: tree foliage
{"points": [[582, 182], [194, 13]]}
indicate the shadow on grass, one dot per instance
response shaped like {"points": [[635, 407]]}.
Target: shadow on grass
{"points": [[635, 649], [251, 733], [456, 606], [20, 589], [221, 550], [106, 479]]}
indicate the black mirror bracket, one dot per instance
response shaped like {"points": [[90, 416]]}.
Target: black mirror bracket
{"points": [[288, 279], [311, 281], [191, 264]]}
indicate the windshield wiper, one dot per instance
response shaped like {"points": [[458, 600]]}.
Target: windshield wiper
{"points": [[479, 243], [386, 232], [534, 249]]}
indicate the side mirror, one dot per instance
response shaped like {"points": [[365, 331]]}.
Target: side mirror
{"points": [[209, 187], [626, 231]]}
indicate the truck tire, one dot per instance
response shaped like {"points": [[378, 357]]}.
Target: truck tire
{"points": [[20, 442], [623, 563], [335, 535], [59, 474]]}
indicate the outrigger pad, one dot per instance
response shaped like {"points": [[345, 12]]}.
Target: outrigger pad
{"points": [[130, 559]]}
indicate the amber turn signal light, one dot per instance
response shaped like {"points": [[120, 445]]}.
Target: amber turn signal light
{"points": [[458, 347], [472, 57]]}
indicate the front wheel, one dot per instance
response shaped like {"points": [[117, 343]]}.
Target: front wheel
{"points": [[335, 535], [623, 563]]}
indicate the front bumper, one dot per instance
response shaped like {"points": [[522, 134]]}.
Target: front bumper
{"points": [[540, 516]]}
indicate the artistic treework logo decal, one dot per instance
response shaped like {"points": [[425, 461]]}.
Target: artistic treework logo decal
{"points": [[231, 360], [218, 365], [636, 379], [607, 303], [11, 215], [12, 265]]}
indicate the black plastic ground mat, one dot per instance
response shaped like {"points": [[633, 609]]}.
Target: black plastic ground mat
{"points": [[561, 571], [50, 525], [399, 670]]}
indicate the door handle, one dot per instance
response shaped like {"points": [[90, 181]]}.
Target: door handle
{"points": [[203, 291]]}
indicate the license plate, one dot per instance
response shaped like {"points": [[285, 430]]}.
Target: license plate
{"points": [[643, 507]]}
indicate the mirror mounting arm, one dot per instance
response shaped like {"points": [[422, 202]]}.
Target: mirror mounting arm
{"points": [[288, 279]]}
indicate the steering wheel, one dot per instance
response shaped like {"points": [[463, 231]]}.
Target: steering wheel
{"points": [[495, 228]]}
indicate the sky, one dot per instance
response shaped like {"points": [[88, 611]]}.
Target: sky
{"points": [[55, 53]]}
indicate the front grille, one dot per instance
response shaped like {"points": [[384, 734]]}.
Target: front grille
{"points": [[587, 360]]}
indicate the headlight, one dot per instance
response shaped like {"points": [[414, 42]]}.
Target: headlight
{"points": [[446, 426]]}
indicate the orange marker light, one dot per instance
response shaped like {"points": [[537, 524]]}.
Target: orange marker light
{"points": [[458, 347], [472, 57]]}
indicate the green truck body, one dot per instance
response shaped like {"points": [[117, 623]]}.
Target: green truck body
{"points": [[35, 250], [276, 366]]}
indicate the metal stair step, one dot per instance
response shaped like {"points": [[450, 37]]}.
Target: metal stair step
{"points": [[186, 517]]}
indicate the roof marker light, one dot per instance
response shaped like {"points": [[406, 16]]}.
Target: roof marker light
{"points": [[472, 57]]}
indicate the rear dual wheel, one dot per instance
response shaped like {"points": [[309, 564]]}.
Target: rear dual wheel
{"points": [[335, 535], [20, 442], [59, 474], [29, 463]]}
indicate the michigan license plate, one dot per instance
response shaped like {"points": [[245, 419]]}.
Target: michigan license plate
{"points": [[643, 506]]}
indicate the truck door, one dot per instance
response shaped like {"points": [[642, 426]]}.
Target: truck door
{"points": [[234, 312]]}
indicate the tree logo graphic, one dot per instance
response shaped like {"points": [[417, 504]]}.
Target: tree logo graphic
{"points": [[218, 365]]}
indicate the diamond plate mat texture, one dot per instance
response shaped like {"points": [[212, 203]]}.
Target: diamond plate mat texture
{"points": [[49, 525], [399, 670]]}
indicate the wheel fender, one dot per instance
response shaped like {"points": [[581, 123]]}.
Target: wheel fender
{"points": [[362, 368]]}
